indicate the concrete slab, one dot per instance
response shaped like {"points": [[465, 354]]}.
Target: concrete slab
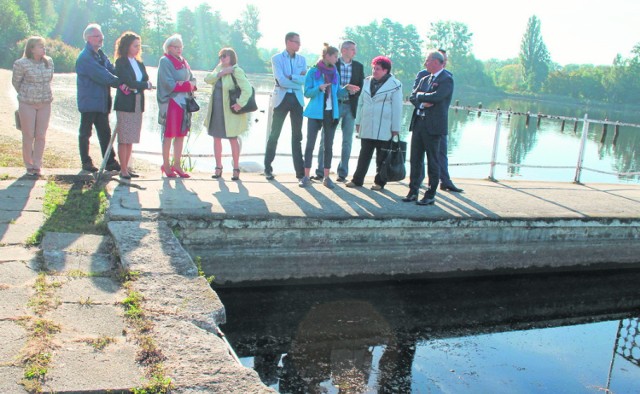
{"points": [[255, 198], [9, 378], [196, 358], [78, 368], [16, 234], [17, 253], [16, 273], [151, 249], [88, 320], [76, 243], [13, 337], [190, 299], [104, 291], [35, 219], [64, 262], [22, 194], [14, 302]]}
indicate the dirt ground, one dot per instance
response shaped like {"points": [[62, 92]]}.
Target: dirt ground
{"points": [[62, 144]]}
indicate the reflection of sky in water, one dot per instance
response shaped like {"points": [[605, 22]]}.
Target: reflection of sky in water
{"points": [[470, 139], [571, 359]]}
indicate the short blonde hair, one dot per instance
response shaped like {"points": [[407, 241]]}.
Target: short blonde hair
{"points": [[172, 41]]}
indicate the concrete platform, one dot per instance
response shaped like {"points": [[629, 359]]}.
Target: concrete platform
{"points": [[254, 197], [256, 230]]}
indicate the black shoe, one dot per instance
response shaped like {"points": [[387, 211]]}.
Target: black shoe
{"points": [[133, 174], [451, 188], [128, 176], [269, 175], [89, 167], [113, 166], [341, 179], [426, 201], [318, 178], [410, 197]]}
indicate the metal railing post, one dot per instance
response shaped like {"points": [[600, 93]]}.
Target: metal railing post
{"points": [[583, 145], [494, 152]]}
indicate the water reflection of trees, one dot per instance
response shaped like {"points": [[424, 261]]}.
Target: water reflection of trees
{"points": [[521, 140], [305, 339]]}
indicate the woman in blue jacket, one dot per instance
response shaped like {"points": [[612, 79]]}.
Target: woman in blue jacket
{"points": [[322, 87]]}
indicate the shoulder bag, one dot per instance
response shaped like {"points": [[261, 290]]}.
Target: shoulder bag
{"points": [[392, 168], [234, 95]]}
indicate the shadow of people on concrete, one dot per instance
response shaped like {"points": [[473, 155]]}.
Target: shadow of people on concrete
{"points": [[240, 203], [325, 207], [20, 211]]}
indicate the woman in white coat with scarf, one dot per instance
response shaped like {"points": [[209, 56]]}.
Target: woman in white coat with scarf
{"points": [[378, 119]]}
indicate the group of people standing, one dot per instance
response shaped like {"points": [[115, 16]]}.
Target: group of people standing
{"points": [[335, 86], [96, 75], [338, 92]]}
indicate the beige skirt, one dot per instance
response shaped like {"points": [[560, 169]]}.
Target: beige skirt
{"points": [[129, 124]]}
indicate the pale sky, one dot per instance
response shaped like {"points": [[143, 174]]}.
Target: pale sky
{"points": [[574, 31]]}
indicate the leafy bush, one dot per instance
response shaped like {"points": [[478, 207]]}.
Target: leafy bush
{"points": [[64, 56]]}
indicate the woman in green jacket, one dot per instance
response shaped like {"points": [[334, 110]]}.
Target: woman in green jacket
{"points": [[221, 121]]}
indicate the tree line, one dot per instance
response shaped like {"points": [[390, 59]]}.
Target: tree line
{"points": [[204, 32]]}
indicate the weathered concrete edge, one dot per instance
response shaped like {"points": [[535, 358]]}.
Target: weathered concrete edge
{"points": [[164, 266], [362, 249]]}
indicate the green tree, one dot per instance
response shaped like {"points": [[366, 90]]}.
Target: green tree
{"points": [[534, 56], [73, 17], [454, 37], [250, 25], [14, 27], [158, 28], [186, 26], [400, 43], [41, 14]]}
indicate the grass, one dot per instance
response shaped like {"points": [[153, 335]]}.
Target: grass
{"points": [[99, 343], [43, 299], [11, 155], [72, 206], [36, 355]]}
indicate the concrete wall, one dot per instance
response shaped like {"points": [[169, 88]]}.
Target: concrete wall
{"points": [[238, 251]]}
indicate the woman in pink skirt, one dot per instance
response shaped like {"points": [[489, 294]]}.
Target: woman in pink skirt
{"points": [[175, 84], [129, 102]]}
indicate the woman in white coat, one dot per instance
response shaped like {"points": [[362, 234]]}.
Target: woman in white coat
{"points": [[378, 119]]}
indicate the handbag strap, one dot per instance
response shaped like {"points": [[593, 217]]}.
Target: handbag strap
{"points": [[234, 80]]}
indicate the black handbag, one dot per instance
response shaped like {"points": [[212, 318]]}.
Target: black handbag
{"points": [[192, 104], [17, 118], [234, 95], [392, 168]]}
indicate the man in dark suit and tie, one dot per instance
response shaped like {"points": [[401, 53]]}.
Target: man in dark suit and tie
{"points": [[445, 179], [429, 124]]}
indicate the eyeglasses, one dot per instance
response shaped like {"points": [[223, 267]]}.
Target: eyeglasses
{"points": [[222, 56], [176, 46], [295, 41]]}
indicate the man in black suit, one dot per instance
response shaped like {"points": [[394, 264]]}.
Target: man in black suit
{"points": [[352, 77], [429, 124], [445, 179]]}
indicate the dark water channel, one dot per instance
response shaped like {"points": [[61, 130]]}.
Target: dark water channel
{"points": [[543, 333]]}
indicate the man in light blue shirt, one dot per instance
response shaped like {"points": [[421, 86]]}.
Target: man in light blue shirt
{"points": [[289, 70]]}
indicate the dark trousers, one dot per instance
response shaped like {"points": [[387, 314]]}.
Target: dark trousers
{"points": [[101, 121], [421, 143], [367, 146], [289, 105], [328, 126], [443, 161]]}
